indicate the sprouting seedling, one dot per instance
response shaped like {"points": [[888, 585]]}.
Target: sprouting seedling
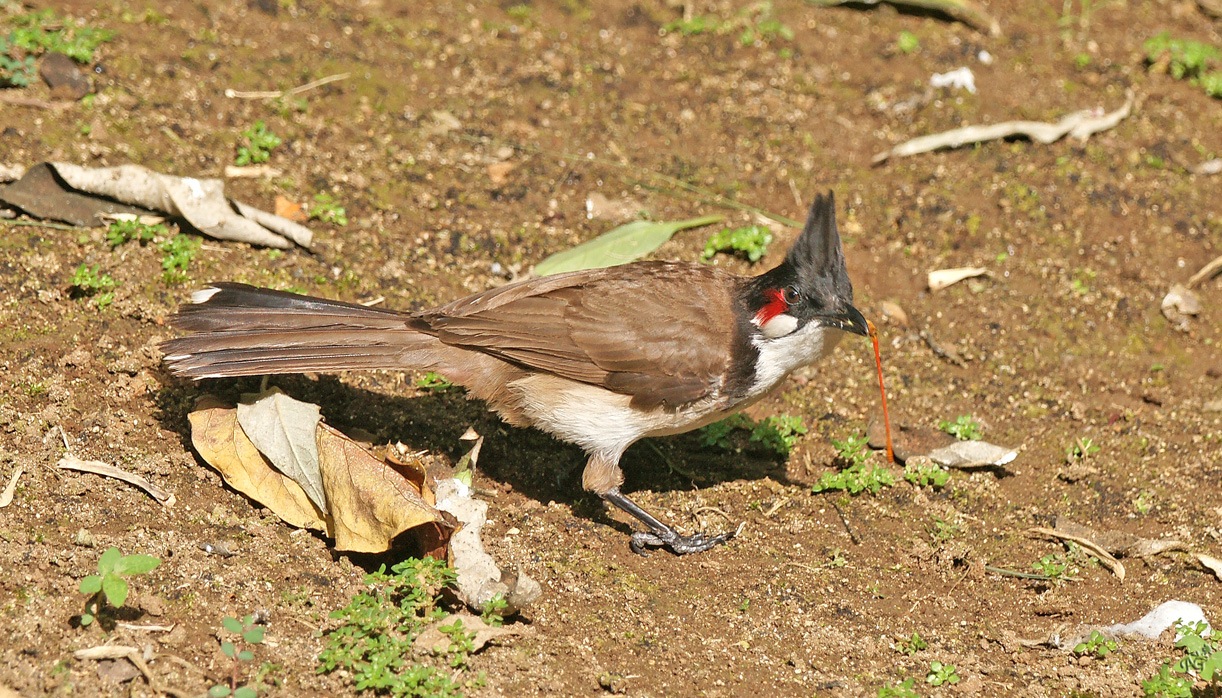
{"points": [[250, 633], [109, 584]]}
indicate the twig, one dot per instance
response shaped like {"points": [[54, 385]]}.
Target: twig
{"points": [[35, 103], [97, 467], [775, 506], [1105, 558], [715, 510], [275, 94], [1207, 272], [1025, 575], [1079, 124], [40, 224], [844, 520]]}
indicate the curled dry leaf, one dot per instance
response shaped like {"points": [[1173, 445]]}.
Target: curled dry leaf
{"points": [[282, 428], [223, 445], [6, 497], [942, 278], [369, 502]]}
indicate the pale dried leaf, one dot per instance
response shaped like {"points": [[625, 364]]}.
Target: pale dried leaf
{"points": [[6, 497], [972, 454], [1211, 563], [224, 446], [283, 429], [627, 243], [942, 278], [431, 639]]}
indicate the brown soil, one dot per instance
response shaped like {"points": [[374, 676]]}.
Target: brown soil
{"points": [[1063, 340]]}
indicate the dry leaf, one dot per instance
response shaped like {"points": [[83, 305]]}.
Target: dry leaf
{"points": [[97, 467], [6, 497], [223, 445], [287, 208], [942, 278], [432, 639], [498, 172], [972, 454], [283, 430], [369, 502], [1212, 563]]}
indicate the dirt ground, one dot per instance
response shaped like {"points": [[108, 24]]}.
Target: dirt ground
{"points": [[464, 145]]}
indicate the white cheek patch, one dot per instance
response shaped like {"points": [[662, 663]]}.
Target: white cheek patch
{"points": [[779, 326]]}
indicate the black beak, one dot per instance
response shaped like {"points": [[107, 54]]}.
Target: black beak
{"points": [[850, 320]]}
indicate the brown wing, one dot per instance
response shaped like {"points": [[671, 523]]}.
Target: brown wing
{"points": [[661, 332]]}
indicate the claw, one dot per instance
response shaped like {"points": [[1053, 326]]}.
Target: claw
{"points": [[677, 544]]}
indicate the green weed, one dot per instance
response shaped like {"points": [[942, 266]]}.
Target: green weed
{"points": [[903, 689], [109, 584], [1080, 449], [964, 428], [373, 642], [87, 281], [1202, 657], [129, 230], [42, 32], [752, 242], [858, 474], [179, 251], [926, 473], [251, 634], [941, 674], [1187, 60], [259, 143], [907, 42], [911, 645], [434, 382], [328, 210], [1097, 644], [778, 433]]}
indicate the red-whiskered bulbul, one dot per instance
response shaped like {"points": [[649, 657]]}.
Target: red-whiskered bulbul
{"points": [[598, 358]]}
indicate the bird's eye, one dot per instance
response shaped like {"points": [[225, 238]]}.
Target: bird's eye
{"points": [[792, 295]]}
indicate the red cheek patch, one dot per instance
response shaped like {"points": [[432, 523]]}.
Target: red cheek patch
{"points": [[775, 306]]}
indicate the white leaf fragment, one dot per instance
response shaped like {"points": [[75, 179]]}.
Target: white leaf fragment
{"points": [[942, 278]]}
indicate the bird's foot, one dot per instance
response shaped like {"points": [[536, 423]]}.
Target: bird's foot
{"points": [[677, 544]]}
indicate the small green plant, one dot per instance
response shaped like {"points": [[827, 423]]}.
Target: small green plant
{"points": [[250, 633], [907, 42], [109, 584], [179, 251], [778, 433], [943, 531], [965, 428], [691, 26], [434, 382], [752, 241], [903, 689], [328, 210], [926, 473], [858, 474], [260, 142], [1097, 644], [1202, 657], [1053, 566], [941, 674], [493, 610], [16, 69], [1080, 449], [911, 645], [42, 32], [1143, 502], [132, 230], [87, 281], [1187, 60], [373, 643]]}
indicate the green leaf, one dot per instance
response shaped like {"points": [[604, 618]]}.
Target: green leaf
{"points": [[245, 692], [246, 656], [254, 635], [218, 691], [109, 559], [86, 619], [135, 564], [91, 584], [229, 649], [231, 624], [115, 589], [624, 244]]}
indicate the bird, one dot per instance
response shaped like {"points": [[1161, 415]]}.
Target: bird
{"points": [[600, 358]]}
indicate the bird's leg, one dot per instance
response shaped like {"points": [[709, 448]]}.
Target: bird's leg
{"points": [[660, 535]]}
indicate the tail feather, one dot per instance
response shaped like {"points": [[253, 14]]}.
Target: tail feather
{"points": [[242, 330]]}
